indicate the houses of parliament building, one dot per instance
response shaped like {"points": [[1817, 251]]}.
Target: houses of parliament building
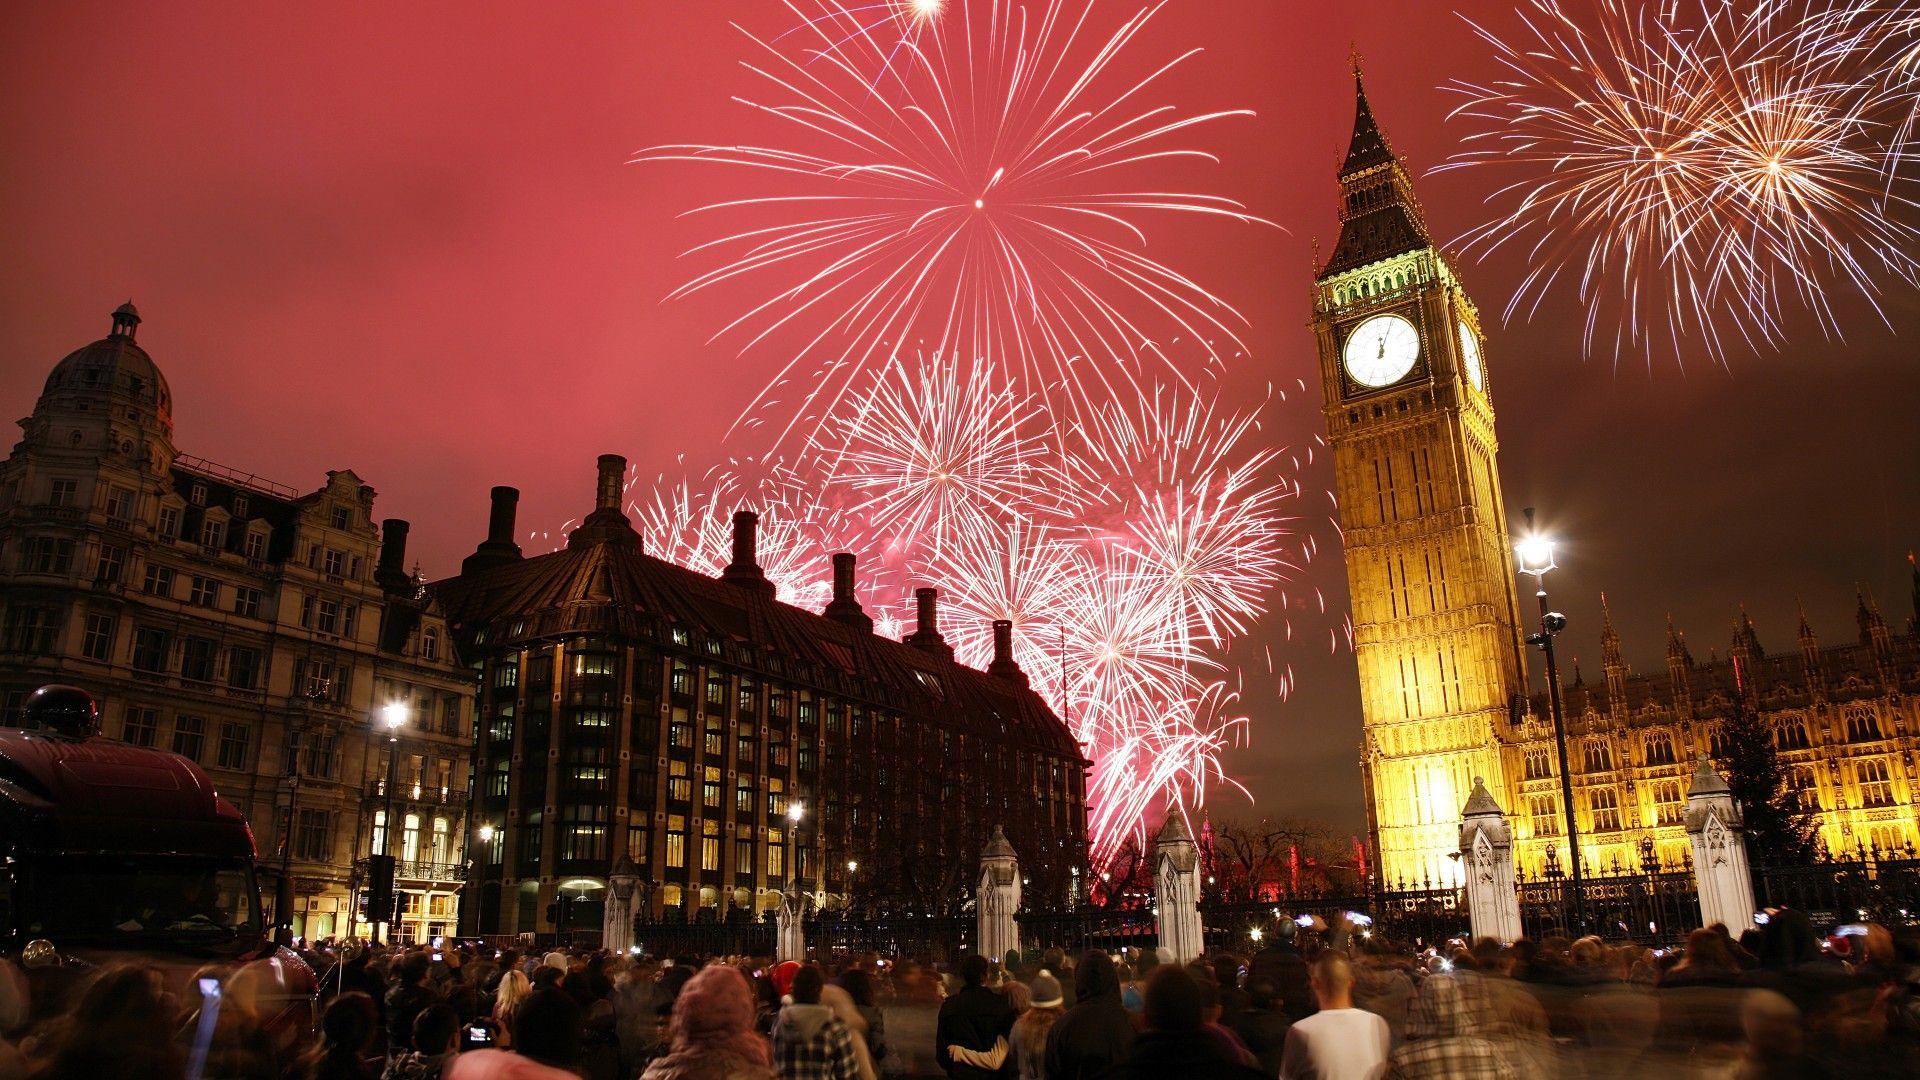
{"points": [[1437, 631]]}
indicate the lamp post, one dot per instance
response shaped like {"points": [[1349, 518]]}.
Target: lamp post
{"points": [[394, 715], [314, 692], [1534, 553]]}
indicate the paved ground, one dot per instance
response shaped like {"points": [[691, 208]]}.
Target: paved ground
{"points": [[910, 1041]]}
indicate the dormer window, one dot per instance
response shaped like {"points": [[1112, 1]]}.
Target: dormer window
{"points": [[213, 534], [430, 644], [240, 506], [256, 548], [197, 495], [342, 517]]}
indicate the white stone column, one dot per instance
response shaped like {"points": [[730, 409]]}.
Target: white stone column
{"points": [[1176, 890], [1486, 844], [1720, 868], [998, 897], [790, 935], [616, 927]]}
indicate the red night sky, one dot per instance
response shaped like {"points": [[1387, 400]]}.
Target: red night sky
{"points": [[402, 239]]}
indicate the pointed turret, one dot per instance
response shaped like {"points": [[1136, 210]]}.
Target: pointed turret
{"points": [[1679, 670], [1379, 215], [1874, 636], [1610, 658], [1913, 571], [1810, 656]]}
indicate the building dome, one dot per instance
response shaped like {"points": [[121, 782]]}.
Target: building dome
{"points": [[116, 366]]}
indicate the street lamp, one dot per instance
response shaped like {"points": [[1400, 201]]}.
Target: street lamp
{"points": [[394, 715], [1534, 552], [314, 692]]}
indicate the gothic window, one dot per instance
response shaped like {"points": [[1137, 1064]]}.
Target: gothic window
{"points": [[1862, 726], [1605, 808], [1660, 749], [1545, 815], [1668, 807], [1791, 734], [1800, 780], [1539, 764], [1876, 789], [1599, 756], [1718, 744]]}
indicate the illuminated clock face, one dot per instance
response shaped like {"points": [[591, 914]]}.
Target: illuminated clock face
{"points": [[1470, 358], [1382, 350]]}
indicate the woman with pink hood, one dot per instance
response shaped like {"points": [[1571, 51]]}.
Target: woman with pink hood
{"points": [[712, 1032]]}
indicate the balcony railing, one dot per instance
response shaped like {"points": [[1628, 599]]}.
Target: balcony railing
{"points": [[405, 871]]}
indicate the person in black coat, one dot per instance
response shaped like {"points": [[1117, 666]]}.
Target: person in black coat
{"points": [[406, 1000], [1281, 964], [1176, 1043], [973, 1019], [1096, 1034], [1262, 1026]]}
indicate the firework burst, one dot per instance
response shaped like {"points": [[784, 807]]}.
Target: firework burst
{"points": [[689, 522], [964, 179], [1692, 169]]}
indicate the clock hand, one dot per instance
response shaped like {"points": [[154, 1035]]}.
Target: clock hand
{"points": [[1382, 354]]}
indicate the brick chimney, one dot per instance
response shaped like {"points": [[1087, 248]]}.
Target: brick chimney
{"points": [[744, 570], [392, 572], [1003, 664], [844, 607], [498, 548], [608, 523], [926, 633]]}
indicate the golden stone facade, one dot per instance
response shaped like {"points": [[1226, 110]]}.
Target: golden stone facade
{"points": [[1437, 634], [1411, 424]]}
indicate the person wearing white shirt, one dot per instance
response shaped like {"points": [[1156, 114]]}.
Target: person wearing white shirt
{"points": [[1339, 1042]]}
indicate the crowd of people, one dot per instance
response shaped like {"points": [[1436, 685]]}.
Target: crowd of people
{"points": [[1311, 1002]]}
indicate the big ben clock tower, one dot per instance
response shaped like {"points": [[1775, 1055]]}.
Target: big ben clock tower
{"points": [[1410, 421]]}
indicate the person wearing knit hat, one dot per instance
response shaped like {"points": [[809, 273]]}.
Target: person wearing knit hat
{"points": [[1046, 991], [1030, 1031]]}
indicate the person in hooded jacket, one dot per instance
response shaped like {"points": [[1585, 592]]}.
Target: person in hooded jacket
{"points": [[1177, 1043], [809, 1041], [1096, 1034], [1281, 963], [712, 1036]]}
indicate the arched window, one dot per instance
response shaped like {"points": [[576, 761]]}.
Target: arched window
{"points": [[1862, 726], [1718, 744], [1876, 789], [1791, 734], [1599, 756], [1660, 749]]}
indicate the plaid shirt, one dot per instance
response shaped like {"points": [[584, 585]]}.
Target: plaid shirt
{"points": [[828, 1055], [1446, 1034]]}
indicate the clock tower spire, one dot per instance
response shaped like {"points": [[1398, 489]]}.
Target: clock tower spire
{"points": [[1430, 571]]}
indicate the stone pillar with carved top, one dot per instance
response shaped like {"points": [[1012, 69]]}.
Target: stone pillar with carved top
{"points": [[1176, 889], [998, 897], [1720, 868], [1486, 847]]}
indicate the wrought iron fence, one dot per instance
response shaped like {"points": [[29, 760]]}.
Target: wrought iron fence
{"points": [[737, 935], [1658, 906], [1867, 884]]}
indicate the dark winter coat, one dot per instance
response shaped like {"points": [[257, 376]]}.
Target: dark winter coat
{"points": [[1170, 1055], [1094, 1035], [973, 1019]]}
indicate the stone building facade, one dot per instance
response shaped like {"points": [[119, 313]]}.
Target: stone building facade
{"points": [[241, 623], [729, 746], [1845, 719]]}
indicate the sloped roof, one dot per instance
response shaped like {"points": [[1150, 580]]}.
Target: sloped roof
{"points": [[612, 588]]}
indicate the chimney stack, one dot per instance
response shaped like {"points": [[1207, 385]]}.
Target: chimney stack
{"points": [[744, 570], [613, 472], [926, 635], [844, 607], [1003, 664], [498, 548], [392, 572], [608, 523]]}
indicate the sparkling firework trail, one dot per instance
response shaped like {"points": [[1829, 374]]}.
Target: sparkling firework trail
{"points": [[961, 178], [952, 250], [1688, 165]]}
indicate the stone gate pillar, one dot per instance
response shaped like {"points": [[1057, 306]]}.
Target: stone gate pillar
{"points": [[1486, 845], [1720, 869], [616, 925], [790, 935], [998, 897], [1176, 890]]}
